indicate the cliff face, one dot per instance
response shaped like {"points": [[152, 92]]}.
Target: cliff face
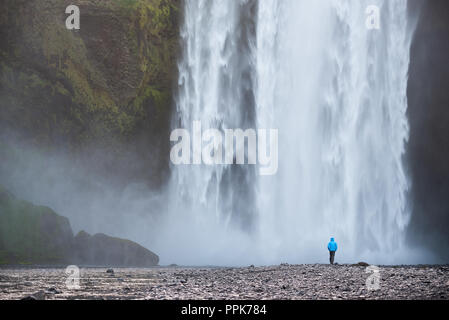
{"points": [[108, 84], [428, 149], [32, 234]]}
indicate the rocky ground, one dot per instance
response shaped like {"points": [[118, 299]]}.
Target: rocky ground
{"points": [[296, 282]]}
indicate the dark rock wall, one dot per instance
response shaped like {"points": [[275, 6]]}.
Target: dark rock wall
{"points": [[428, 148]]}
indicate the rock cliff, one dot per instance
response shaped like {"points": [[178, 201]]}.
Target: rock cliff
{"points": [[32, 234]]}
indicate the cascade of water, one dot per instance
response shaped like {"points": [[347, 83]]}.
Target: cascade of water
{"points": [[336, 91]]}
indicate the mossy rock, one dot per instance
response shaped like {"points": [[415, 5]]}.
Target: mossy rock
{"points": [[32, 234], [36, 235]]}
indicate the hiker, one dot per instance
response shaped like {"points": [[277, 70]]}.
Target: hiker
{"points": [[332, 247]]}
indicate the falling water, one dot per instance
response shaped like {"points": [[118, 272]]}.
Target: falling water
{"points": [[336, 91]]}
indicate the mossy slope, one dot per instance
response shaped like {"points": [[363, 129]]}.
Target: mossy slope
{"points": [[108, 84], [32, 234]]}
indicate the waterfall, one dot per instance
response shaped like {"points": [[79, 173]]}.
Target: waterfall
{"points": [[339, 100], [335, 90]]}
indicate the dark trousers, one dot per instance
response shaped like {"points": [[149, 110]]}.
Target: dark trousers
{"points": [[332, 256]]}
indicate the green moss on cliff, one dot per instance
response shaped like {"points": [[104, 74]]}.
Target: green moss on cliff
{"points": [[31, 234], [109, 82]]}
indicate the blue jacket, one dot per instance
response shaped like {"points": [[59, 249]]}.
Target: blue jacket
{"points": [[332, 246]]}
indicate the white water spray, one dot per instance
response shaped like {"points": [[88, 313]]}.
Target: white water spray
{"points": [[337, 93]]}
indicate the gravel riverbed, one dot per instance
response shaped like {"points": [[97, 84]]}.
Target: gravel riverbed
{"points": [[284, 282]]}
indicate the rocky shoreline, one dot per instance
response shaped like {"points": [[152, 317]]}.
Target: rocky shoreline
{"points": [[284, 282]]}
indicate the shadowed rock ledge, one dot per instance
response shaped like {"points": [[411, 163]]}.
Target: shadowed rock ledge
{"points": [[32, 234]]}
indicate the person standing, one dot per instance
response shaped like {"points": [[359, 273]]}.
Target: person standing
{"points": [[332, 247]]}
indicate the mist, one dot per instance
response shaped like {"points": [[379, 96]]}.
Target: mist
{"points": [[73, 187]]}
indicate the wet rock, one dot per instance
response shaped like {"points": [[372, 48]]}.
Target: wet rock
{"points": [[110, 271], [40, 295]]}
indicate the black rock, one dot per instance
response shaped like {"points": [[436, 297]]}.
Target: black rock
{"points": [[110, 271], [362, 264], [53, 290]]}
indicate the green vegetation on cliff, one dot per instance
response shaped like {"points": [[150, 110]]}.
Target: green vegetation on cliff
{"points": [[108, 84], [32, 234]]}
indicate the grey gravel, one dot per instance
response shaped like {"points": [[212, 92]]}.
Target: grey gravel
{"points": [[284, 282]]}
